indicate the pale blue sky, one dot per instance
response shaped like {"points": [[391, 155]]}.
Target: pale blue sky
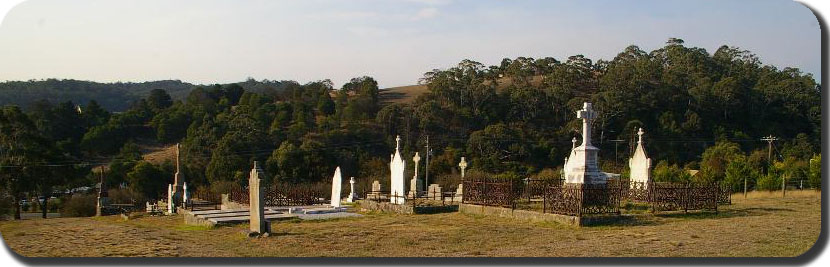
{"points": [[213, 41]]}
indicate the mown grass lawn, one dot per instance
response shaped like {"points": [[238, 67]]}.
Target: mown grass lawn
{"points": [[762, 225]]}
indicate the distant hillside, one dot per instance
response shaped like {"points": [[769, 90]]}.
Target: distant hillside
{"points": [[112, 96], [401, 94], [406, 94]]}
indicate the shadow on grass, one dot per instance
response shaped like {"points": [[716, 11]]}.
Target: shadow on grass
{"points": [[728, 213], [622, 220], [646, 218]]}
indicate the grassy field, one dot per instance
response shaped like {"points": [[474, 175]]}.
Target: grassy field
{"points": [[762, 225]]}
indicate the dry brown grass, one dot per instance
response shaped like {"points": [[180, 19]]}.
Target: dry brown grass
{"points": [[157, 154], [761, 225]]}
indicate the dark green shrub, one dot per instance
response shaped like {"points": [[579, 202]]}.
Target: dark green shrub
{"points": [[79, 206]]}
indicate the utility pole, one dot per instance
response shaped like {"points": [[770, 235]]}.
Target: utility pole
{"points": [[426, 177], [769, 140]]}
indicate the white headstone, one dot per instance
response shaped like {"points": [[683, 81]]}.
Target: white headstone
{"points": [[582, 166], [396, 168], [185, 195], [336, 184], [640, 164], [567, 169]]}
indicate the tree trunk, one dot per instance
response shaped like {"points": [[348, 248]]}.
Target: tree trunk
{"points": [[17, 208], [43, 206]]}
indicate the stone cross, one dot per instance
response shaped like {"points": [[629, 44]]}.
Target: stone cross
{"points": [[573, 143], [587, 114], [640, 136], [353, 195], [463, 166]]}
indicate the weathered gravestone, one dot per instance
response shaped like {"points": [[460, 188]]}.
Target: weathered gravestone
{"points": [[336, 184], [376, 190], [397, 166], [257, 201], [178, 179], [171, 206]]}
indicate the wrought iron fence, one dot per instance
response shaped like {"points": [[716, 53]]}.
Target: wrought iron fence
{"points": [[239, 194], [419, 199], [553, 196], [725, 195], [204, 199], [297, 194], [684, 196]]}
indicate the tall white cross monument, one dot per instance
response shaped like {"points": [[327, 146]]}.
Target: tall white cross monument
{"points": [[582, 165]]}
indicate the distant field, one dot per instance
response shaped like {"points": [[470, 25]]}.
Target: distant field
{"points": [[406, 94], [764, 225]]}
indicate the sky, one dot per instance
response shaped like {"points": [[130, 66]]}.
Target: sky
{"points": [[224, 41]]}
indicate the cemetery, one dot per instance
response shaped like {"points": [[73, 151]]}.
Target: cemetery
{"points": [[476, 217], [583, 195]]}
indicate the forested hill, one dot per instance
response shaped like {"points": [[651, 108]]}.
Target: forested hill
{"points": [[111, 96], [116, 97]]}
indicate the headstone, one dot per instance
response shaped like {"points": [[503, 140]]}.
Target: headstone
{"points": [[434, 191], [567, 167], [640, 164], [178, 181], [415, 185], [397, 166], [336, 184], [463, 166], [185, 196], [459, 193], [582, 165], [376, 190], [256, 201], [171, 207], [353, 195]]}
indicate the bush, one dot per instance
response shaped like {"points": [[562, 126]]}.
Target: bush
{"points": [[548, 174], [448, 181], [125, 196], [770, 182], [79, 206]]}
